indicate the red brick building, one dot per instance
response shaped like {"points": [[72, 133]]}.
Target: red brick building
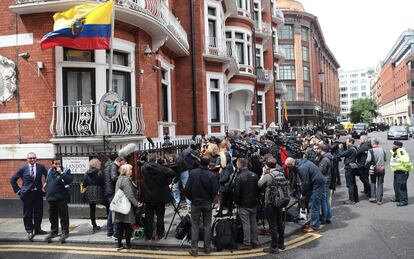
{"points": [[204, 66], [396, 82], [306, 55]]}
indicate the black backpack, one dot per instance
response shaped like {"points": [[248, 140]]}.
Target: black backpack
{"points": [[225, 234], [183, 228], [278, 191]]}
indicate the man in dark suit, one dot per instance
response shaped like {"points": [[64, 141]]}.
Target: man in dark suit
{"points": [[31, 194]]}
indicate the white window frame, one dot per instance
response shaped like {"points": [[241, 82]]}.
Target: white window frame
{"points": [[259, 12], [263, 102], [245, 5], [260, 47], [220, 90], [100, 67], [247, 43], [165, 65]]}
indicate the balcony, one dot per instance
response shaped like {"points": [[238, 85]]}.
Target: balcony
{"points": [[221, 50], [263, 29], [152, 16], [264, 76], [278, 17], [84, 120], [279, 53], [280, 88]]}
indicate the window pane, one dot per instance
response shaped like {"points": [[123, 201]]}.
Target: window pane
{"points": [[306, 93], [287, 72], [304, 33], [165, 102], [121, 84], [306, 73], [211, 11], [212, 28], [239, 35], [291, 93], [119, 58], [260, 113], [240, 52], [287, 32], [289, 51], [305, 53], [78, 85], [215, 106], [214, 83]]}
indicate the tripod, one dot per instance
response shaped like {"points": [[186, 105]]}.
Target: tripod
{"points": [[176, 211]]}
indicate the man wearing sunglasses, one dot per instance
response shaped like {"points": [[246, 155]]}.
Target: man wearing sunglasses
{"points": [[31, 194]]}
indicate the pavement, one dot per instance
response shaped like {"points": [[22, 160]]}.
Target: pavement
{"points": [[80, 231]]}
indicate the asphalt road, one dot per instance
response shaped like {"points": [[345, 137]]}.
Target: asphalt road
{"points": [[364, 230]]}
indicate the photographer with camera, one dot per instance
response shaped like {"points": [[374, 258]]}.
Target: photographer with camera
{"points": [[155, 194], [334, 147], [362, 154], [57, 185], [273, 174]]}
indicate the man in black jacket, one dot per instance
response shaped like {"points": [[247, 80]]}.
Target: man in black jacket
{"points": [[349, 154], [335, 153], [155, 194], [326, 165], [201, 189], [362, 154], [58, 181], [245, 194], [110, 177]]}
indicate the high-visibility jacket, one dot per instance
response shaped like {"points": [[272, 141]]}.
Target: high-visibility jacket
{"points": [[400, 161]]}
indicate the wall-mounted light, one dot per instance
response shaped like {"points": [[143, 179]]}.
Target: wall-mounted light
{"points": [[24, 55], [147, 51]]}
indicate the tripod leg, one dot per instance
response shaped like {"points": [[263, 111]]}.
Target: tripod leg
{"points": [[176, 211]]}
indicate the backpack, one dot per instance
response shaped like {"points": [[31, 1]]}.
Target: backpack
{"points": [[183, 228], [225, 234], [278, 191]]}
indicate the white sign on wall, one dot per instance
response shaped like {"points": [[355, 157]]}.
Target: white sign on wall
{"points": [[77, 165]]}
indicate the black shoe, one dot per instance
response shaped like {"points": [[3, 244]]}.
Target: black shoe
{"points": [[270, 250], [255, 245], [63, 238], [30, 237], [96, 229], [338, 183], [328, 222], [193, 253], [400, 204], [244, 247], [207, 251], [395, 200], [40, 232], [50, 237], [281, 247]]}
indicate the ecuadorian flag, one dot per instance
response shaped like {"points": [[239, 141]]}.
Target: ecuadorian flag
{"points": [[85, 27]]}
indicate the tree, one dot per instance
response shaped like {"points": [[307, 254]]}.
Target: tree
{"points": [[363, 110]]}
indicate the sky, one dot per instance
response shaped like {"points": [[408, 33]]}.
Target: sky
{"points": [[360, 33]]}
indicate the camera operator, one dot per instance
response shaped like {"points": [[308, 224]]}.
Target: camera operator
{"points": [[187, 156], [57, 183], [274, 215], [313, 186], [155, 194], [349, 153]]}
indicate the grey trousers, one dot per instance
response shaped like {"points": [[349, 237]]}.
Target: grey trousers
{"points": [[248, 219], [196, 214], [377, 186]]}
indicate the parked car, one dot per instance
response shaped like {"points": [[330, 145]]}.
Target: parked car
{"points": [[359, 129], [339, 128], [398, 132], [411, 131]]}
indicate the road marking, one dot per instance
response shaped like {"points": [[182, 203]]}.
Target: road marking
{"points": [[291, 244]]}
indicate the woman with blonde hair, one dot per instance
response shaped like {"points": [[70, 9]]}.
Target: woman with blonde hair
{"points": [[126, 184], [93, 182]]}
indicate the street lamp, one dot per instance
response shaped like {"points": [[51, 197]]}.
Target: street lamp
{"points": [[321, 75]]}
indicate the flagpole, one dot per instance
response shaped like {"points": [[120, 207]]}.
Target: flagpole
{"points": [[111, 50]]}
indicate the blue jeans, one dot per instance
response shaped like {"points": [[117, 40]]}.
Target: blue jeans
{"points": [[316, 199], [111, 227], [400, 187], [176, 188], [326, 206]]}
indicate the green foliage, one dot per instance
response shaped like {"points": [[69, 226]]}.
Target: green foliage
{"points": [[363, 110]]}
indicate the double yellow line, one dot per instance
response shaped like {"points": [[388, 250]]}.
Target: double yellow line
{"points": [[299, 241]]}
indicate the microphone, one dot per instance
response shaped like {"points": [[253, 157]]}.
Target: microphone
{"points": [[127, 150]]}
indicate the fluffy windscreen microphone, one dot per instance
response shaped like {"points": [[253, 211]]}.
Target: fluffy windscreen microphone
{"points": [[127, 150]]}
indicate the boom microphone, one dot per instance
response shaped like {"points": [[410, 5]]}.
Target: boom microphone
{"points": [[127, 150]]}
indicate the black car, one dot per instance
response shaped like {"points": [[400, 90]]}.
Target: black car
{"points": [[398, 132], [359, 129]]}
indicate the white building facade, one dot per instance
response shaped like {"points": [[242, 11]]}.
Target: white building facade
{"points": [[354, 84]]}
